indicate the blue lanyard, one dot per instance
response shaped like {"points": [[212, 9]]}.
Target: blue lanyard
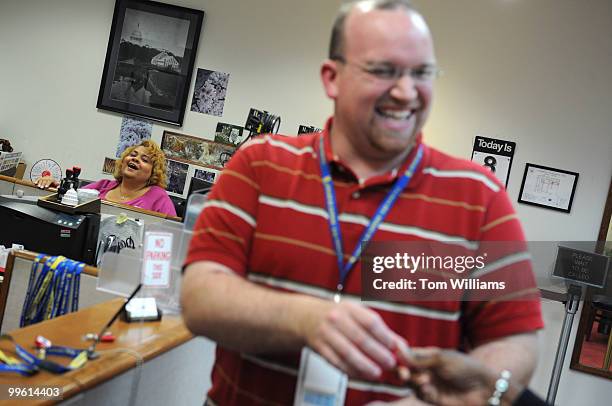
{"points": [[29, 312], [65, 288], [76, 286], [59, 278], [30, 290], [381, 212], [70, 291], [65, 274], [33, 364], [22, 369], [54, 292]]}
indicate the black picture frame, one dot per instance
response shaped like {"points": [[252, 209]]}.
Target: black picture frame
{"points": [[144, 73], [548, 187]]}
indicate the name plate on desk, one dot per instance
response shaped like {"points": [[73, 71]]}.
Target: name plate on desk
{"points": [[581, 267]]}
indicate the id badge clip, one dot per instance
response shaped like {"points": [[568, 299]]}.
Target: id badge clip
{"points": [[319, 382]]}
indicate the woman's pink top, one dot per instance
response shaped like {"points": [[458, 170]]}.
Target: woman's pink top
{"points": [[156, 198]]}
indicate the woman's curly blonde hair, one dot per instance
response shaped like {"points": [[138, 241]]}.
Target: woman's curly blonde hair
{"points": [[158, 161]]}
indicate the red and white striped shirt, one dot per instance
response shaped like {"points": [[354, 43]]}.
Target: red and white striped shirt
{"points": [[266, 220]]}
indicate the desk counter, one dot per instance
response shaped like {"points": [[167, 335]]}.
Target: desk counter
{"points": [[135, 343]]}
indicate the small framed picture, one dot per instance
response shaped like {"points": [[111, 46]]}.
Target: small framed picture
{"points": [[177, 176], [548, 187], [308, 129], [229, 134], [203, 174], [109, 166]]}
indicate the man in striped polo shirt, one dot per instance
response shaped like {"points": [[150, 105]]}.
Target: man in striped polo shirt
{"points": [[263, 275]]}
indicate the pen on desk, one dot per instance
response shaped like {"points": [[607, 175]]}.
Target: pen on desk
{"points": [[92, 347]]}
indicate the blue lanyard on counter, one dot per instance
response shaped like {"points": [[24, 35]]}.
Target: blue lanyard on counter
{"points": [[11, 364], [22, 369], [381, 212], [32, 364]]}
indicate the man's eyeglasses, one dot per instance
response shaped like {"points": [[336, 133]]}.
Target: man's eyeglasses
{"points": [[388, 72]]}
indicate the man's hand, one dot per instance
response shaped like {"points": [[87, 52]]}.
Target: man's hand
{"points": [[246, 317], [449, 378], [411, 401], [45, 182], [353, 338]]}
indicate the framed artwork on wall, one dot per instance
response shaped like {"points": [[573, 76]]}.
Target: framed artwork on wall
{"points": [[177, 175], [196, 151], [203, 174], [109, 166], [548, 187], [229, 134], [149, 60]]}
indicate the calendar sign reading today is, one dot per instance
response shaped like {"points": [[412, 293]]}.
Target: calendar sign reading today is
{"points": [[494, 154], [156, 260]]}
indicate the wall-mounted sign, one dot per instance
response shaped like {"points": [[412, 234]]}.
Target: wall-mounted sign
{"points": [[548, 187], [494, 154], [581, 267]]}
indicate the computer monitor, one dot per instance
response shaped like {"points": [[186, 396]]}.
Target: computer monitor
{"points": [[200, 186], [38, 229], [192, 209], [196, 185]]}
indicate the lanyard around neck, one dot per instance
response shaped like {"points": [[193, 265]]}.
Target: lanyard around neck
{"points": [[380, 214]]}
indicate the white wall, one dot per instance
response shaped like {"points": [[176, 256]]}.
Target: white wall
{"points": [[533, 72], [52, 56], [537, 73]]}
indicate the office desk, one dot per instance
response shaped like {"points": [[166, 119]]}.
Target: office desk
{"points": [[181, 376], [10, 186]]}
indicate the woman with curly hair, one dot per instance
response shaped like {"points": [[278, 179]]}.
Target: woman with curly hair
{"points": [[140, 180]]}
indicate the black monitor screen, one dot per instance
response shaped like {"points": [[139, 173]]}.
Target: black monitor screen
{"points": [[199, 186]]}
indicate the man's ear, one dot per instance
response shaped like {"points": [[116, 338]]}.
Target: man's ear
{"points": [[329, 77]]}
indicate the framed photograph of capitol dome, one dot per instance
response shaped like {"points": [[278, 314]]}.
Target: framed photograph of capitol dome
{"points": [[149, 60]]}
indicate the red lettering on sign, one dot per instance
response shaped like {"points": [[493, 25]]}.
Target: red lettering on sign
{"points": [[158, 256]]}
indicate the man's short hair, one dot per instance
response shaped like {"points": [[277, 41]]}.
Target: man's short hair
{"points": [[336, 45]]}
